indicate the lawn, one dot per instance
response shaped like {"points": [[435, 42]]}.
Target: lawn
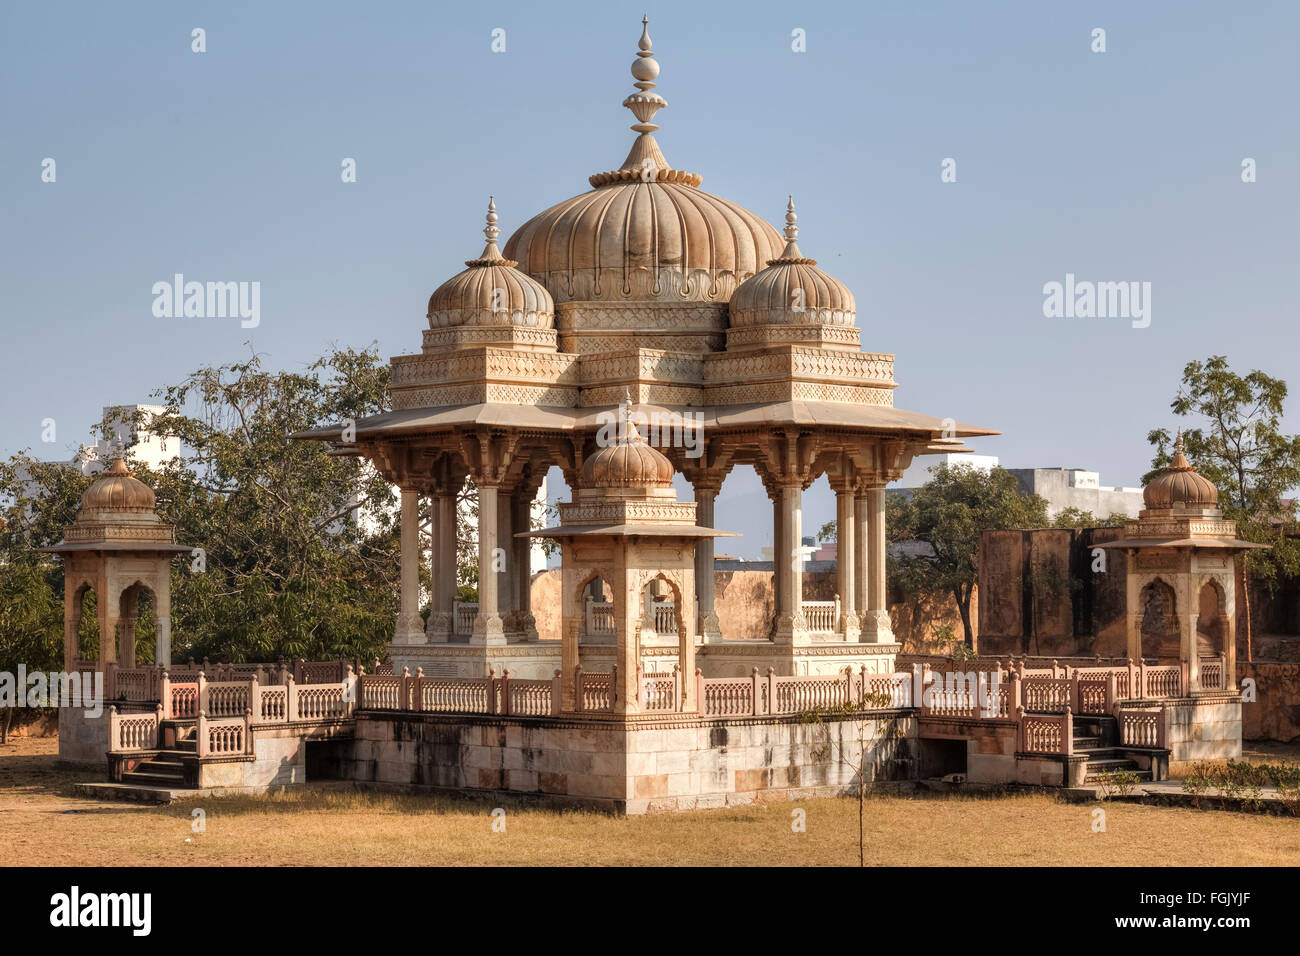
{"points": [[41, 822]]}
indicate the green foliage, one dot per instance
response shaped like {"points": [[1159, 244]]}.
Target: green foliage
{"points": [[948, 514], [1116, 782], [1072, 517], [1236, 441], [301, 548]]}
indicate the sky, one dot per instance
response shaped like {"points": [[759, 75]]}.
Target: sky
{"points": [[1123, 165]]}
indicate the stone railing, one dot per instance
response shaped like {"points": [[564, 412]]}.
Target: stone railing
{"points": [[1046, 733], [463, 616], [1211, 672], [223, 737], [594, 692], [144, 683], [1141, 727], [226, 712], [658, 692], [134, 731], [599, 617], [758, 694], [662, 617], [1046, 694], [502, 695], [823, 617]]}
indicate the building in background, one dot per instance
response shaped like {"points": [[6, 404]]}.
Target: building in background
{"points": [[1076, 488]]}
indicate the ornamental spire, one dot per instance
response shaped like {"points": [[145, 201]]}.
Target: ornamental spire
{"points": [[644, 104], [791, 255], [491, 254]]}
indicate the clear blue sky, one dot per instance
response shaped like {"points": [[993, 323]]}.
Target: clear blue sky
{"points": [[225, 166]]}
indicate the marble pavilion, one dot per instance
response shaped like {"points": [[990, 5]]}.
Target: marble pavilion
{"points": [[694, 309]]}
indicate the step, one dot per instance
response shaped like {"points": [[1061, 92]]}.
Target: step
{"points": [[1086, 743], [175, 781]]}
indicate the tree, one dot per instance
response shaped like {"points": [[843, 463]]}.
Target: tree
{"points": [[1238, 444], [945, 517], [1071, 517]]}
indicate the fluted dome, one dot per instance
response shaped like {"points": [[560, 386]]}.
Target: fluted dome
{"points": [[791, 291], [1180, 485], [659, 240], [629, 463], [645, 232], [118, 490], [491, 292]]}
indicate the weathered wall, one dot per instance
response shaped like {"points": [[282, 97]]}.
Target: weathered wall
{"points": [[1275, 712], [744, 602], [651, 766]]}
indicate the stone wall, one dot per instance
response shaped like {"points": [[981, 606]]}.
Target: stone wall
{"points": [[642, 767], [1204, 728], [1275, 712], [744, 602]]}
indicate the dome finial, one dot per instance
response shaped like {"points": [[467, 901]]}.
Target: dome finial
{"points": [[645, 155], [1178, 443], [491, 254], [791, 233]]}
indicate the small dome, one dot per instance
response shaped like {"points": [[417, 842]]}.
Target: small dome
{"points": [[1179, 484], [491, 292], [629, 463], [791, 291], [118, 490]]}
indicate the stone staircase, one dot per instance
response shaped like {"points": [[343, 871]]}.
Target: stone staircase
{"points": [[1096, 737], [175, 766]]}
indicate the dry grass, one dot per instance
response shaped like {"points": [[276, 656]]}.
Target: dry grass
{"points": [[41, 823]]}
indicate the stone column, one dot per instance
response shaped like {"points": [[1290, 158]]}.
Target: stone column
{"points": [[1133, 607], [844, 562], [507, 574], [409, 630], [778, 565], [162, 654], [432, 633], [876, 628], [443, 584], [686, 652], [71, 623], [627, 612], [521, 520], [791, 625], [488, 627], [860, 563], [1230, 628], [709, 628]]}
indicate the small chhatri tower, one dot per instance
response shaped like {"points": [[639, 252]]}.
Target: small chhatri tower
{"points": [[118, 547], [625, 527], [1180, 604]]}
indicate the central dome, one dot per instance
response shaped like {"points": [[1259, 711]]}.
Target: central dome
{"points": [[646, 231]]}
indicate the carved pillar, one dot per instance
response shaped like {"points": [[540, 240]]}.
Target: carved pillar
{"points": [[104, 604], [409, 629], [1133, 606], [778, 565], [507, 574], [860, 562], [488, 627], [522, 551], [686, 644], [845, 578], [71, 623], [791, 627], [709, 629], [1230, 628], [876, 627], [1189, 650], [627, 613], [162, 654], [443, 585], [434, 630]]}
